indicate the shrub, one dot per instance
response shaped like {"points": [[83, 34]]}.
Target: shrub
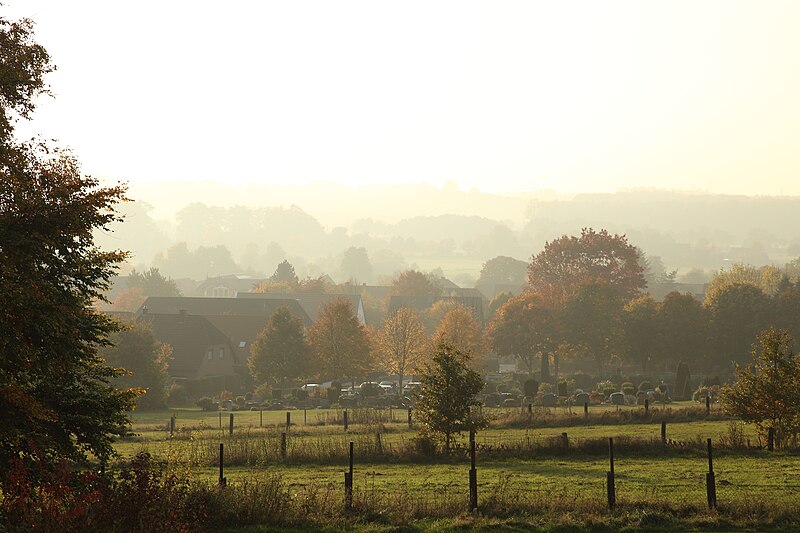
{"points": [[545, 388], [206, 404], [178, 395], [225, 395], [645, 386], [628, 388], [264, 392], [240, 401], [502, 388], [531, 387], [334, 392]]}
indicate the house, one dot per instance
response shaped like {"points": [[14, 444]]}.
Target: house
{"points": [[311, 302], [226, 286], [221, 306], [203, 359]]}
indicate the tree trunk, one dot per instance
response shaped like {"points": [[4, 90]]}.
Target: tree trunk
{"points": [[545, 368]]}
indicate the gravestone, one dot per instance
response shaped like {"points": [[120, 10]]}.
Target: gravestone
{"points": [[549, 399], [617, 398], [581, 398]]}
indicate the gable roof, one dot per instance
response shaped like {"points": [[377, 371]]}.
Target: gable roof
{"points": [[311, 302], [189, 336], [241, 330], [221, 306]]}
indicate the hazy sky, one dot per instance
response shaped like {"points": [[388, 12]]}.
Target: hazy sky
{"points": [[501, 96]]}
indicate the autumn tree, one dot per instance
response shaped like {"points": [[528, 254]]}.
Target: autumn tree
{"points": [[767, 278], [497, 302], [433, 316], [448, 387], [568, 263], [460, 330], [136, 349], [527, 328], [766, 391], [414, 283], [501, 270], [340, 343], [639, 330], [402, 343], [280, 351]]}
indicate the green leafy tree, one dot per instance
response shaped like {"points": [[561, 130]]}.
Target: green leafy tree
{"points": [[55, 392], [682, 330], [280, 351], [592, 319], [738, 313], [285, 273], [448, 387], [525, 327], [153, 283], [340, 343], [766, 391], [136, 349], [639, 328]]}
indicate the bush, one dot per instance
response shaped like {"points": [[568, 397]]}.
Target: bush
{"points": [[531, 387], [178, 395], [264, 392], [545, 388], [300, 394], [628, 388], [206, 404], [241, 401], [645, 386], [334, 392], [502, 388]]}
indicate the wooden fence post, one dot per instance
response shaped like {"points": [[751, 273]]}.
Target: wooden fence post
{"points": [[283, 445], [379, 443], [220, 420], [288, 420], [530, 408], [223, 481], [473, 474], [305, 416], [230, 425], [585, 408], [348, 483], [261, 418], [771, 439], [612, 497], [565, 441], [663, 432], [708, 405], [410, 423], [345, 419], [172, 425], [711, 487], [646, 407]]}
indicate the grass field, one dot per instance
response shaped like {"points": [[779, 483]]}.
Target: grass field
{"points": [[523, 470]]}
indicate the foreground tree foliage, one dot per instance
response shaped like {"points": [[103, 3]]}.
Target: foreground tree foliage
{"points": [[766, 391], [281, 350], [56, 395], [447, 394]]}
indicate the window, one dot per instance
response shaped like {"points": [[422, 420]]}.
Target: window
{"points": [[242, 344], [209, 355], [221, 353]]}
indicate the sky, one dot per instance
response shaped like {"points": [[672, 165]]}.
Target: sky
{"points": [[498, 96]]}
